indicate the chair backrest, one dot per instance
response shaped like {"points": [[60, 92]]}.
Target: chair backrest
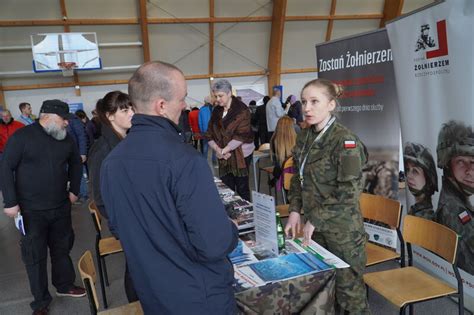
{"points": [[88, 275], [380, 209], [95, 215], [288, 173], [432, 236], [264, 146]]}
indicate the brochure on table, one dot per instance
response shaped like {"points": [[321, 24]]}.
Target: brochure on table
{"points": [[299, 261], [237, 208], [265, 221]]}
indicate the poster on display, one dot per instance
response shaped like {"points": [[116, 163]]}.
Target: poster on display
{"points": [[265, 221], [433, 59], [249, 93], [362, 64], [74, 104]]}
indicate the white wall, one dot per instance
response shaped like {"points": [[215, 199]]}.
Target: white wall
{"points": [[293, 83]]}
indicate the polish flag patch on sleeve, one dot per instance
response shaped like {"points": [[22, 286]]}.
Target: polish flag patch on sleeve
{"points": [[464, 217], [349, 144]]}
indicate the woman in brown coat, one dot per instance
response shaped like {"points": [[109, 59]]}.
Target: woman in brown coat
{"points": [[230, 136]]}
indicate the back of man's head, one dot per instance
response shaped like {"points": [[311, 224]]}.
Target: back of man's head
{"points": [[276, 92], [151, 81]]}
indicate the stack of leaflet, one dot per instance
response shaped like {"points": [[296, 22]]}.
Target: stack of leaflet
{"points": [[237, 208], [299, 261]]}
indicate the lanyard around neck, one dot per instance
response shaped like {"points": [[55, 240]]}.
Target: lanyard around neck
{"points": [[301, 160]]}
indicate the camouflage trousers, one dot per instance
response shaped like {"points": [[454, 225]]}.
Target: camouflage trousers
{"points": [[351, 294]]}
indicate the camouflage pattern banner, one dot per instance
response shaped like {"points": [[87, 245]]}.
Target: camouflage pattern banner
{"points": [[433, 59], [369, 105]]}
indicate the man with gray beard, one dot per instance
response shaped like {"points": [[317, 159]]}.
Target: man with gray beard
{"points": [[38, 162]]}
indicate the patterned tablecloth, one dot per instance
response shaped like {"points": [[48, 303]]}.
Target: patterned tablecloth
{"points": [[312, 294]]}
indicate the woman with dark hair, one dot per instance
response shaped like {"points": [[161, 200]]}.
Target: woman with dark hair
{"points": [[230, 135], [115, 113]]}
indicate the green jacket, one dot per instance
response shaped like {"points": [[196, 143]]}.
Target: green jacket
{"points": [[332, 176], [423, 209], [452, 203]]}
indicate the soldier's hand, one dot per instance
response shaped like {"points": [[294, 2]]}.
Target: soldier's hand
{"points": [[12, 211], [307, 233], [293, 225]]}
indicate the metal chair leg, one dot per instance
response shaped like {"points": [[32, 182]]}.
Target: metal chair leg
{"points": [[101, 276], [402, 310], [410, 309], [105, 272]]}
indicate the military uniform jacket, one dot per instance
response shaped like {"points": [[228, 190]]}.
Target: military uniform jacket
{"points": [[332, 176], [453, 203], [423, 209]]}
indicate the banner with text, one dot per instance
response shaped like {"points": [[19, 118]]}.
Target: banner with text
{"points": [[433, 58], [369, 105]]}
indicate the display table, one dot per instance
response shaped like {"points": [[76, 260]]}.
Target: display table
{"points": [[299, 294], [312, 294]]}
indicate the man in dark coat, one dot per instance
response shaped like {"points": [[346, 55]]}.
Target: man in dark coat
{"points": [[163, 204], [38, 162]]}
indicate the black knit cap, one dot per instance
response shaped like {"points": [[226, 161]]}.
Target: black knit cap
{"points": [[56, 107]]}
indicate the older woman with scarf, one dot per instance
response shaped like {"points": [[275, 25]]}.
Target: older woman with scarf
{"points": [[230, 136]]}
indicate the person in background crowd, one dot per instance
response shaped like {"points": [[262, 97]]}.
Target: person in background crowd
{"points": [[194, 124], [261, 121], [163, 204], [231, 137], [421, 178], [8, 126], [88, 126], [281, 146], [253, 109], [26, 116], [115, 113], [274, 111], [187, 134], [295, 110], [455, 152], [38, 162], [95, 121], [328, 162], [77, 131], [204, 117]]}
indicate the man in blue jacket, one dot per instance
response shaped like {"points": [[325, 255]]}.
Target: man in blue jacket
{"points": [[163, 204], [77, 131], [204, 117]]}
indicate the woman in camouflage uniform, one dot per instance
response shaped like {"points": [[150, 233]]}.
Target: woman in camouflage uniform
{"points": [[422, 180], [329, 159]]}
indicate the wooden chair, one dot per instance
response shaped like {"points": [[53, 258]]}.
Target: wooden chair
{"points": [[267, 169], [88, 276], [287, 176], [405, 286], [388, 211], [103, 248]]}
